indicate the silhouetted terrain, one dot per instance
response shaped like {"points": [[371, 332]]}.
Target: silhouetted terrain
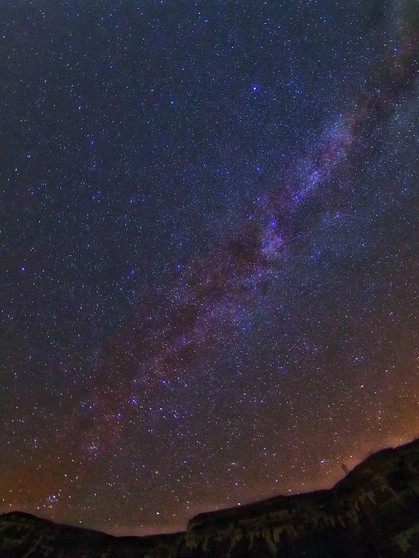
{"points": [[372, 513]]}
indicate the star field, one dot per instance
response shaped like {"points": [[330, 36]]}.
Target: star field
{"points": [[209, 239]]}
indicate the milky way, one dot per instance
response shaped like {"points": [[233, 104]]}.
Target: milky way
{"points": [[210, 243]]}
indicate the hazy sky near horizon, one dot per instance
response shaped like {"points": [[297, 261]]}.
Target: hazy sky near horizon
{"points": [[209, 251]]}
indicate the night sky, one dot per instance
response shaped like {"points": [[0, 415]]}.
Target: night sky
{"points": [[209, 251]]}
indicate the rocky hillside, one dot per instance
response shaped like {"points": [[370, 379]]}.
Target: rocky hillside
{"points": [[372, 513], [22, 535]]}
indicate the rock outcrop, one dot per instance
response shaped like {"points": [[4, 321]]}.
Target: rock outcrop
{"points": [[372, 513]]}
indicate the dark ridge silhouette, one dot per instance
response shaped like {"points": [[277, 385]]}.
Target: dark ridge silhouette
{"points": [[372, 513]]}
